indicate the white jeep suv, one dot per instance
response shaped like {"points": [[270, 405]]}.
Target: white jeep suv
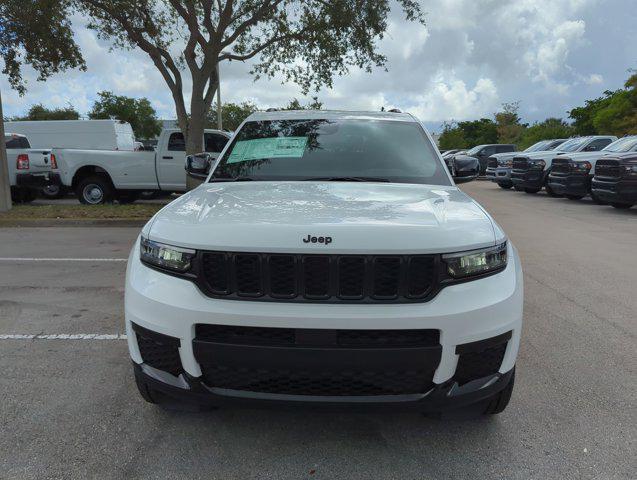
{"points": [[327, 258]]}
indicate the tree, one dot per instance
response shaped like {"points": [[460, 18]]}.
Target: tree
{"points": [[508, 124], [583, 117], [477, 132], [40, 112], [232, 114], [304, 41], [451, 137], [294, 104], [36, 33], [619, 116], [548, 129], [136, 111]]}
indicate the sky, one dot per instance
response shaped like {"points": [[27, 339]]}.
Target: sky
{"points": [[470, 58]]}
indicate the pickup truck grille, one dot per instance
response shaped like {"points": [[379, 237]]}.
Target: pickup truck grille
{"points": [[608, 168], [520, 164], [561, 166], [320, 278], [492, 163]]}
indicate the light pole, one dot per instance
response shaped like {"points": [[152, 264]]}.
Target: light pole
{"points": [[5, 189]]}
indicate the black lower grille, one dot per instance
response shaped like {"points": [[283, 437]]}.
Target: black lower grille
{"points": [[480, 363], [158, 350], [321, 362], [492, 162], [330, 278], [327, 383], [520, 164]]}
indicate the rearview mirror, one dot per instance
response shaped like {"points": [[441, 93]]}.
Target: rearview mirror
{"points": [[198, 165]]}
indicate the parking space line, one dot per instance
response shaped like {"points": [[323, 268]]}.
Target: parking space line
{"points": [[64, 336], [34, 259]]}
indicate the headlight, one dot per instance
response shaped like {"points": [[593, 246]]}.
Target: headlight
{"points": [[166, 256], [476, 262], [536, 163], [582, 166]]}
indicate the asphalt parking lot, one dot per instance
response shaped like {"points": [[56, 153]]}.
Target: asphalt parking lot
{"points": [[69, 407]]}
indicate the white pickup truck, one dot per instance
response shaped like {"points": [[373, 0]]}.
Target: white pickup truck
{"points": [[99, 176], [29, 168]]}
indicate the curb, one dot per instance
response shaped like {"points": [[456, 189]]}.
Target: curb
{"points": [[72, 222]]}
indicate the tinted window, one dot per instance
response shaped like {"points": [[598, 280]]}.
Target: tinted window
{"points": [[487, 151], [16, 142], [598, 144], [215, 142], [317, 149], [176, 142], [504, 148], [573, 144]]}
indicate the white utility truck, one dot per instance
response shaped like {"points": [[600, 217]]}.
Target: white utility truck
{"points": [[29, 168], [99, 176], [328, 258]]}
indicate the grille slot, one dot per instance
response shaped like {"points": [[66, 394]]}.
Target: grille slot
{"points": [[329, 278], [561, 166], [492, 163], [327, 383], [245, 335]]}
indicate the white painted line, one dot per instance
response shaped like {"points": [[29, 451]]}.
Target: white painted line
{"points": [[33, 259], [64, 336]]}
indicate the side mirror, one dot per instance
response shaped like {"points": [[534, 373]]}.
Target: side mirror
{"points": [[198, 165], [465, 170]]}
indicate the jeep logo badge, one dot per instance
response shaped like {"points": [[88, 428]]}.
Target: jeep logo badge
{"points": [[311, 239]]}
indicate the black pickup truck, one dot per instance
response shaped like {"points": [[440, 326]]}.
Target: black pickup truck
{"points": [[615, 180]]}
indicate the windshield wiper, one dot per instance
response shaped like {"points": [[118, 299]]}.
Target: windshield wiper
{"points": [[231, 179], [346, 179]]}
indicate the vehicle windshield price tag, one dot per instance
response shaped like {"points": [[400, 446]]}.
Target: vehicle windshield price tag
{"points": [[262, 148]]}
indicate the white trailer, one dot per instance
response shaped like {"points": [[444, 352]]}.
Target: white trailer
{"points": [[84, 134]]}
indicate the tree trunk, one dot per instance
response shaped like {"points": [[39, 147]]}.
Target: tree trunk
{"points": [[199, 107], [5, 188]]}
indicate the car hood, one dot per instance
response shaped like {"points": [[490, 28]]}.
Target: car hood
{"points": [[588, 156], [359, 217]]}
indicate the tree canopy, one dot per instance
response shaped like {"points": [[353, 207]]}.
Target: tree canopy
{"points": [[136, 111], [40, 112]]}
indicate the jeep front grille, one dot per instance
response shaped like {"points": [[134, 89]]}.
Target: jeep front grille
{"points": [[328, 278]]}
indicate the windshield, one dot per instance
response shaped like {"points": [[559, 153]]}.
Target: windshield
{"points": [[627, 144], [317, 149], [573, 144], [538, 147], [474, 150]]}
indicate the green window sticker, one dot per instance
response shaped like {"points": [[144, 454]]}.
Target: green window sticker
{"points": [[261, 148]]}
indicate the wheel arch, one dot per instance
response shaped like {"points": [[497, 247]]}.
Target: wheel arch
{"points": [[87, 171]]}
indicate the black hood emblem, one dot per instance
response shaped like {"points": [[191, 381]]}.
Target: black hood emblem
{"points": [[312, 239]]}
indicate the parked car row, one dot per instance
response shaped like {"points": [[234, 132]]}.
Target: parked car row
{"points": [[601, 166]]}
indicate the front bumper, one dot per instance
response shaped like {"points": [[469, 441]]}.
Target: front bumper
{"points": [[501, 175], [37, 180], [570, 184], [615, 189], [527, 178], [464, 316]]}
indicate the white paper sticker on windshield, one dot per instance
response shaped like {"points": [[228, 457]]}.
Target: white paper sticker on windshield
{"points": [[261, 148]]}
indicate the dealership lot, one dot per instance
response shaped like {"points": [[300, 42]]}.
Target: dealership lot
{"points": [[69, 407]]}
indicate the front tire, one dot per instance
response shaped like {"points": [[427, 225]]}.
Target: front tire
{"points": [[532, 190], [94, 190], [597, 200], [550, 192], [574, 197], [621, 206], [504, 186], [500, 400], [517, 188]]}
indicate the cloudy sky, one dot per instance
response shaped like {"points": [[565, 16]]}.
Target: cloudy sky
{"points": [[473, 55]]}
